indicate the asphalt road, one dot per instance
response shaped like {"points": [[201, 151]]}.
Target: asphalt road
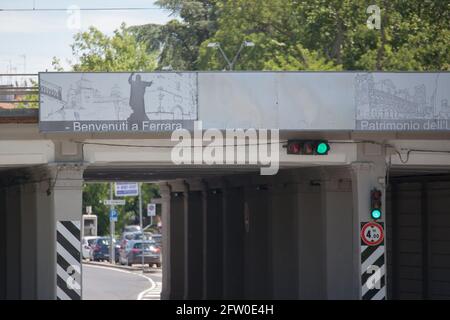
{"points": [[100, 283]]}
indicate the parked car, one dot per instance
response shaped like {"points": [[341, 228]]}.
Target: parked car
{"points": [[135, 235], [135, 249], [132, 228], [101, 247], [86, 246], [158, 239]]}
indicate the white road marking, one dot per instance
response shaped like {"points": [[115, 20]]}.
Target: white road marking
{"points": [[141, 294]]}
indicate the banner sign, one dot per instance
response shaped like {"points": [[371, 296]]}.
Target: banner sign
{"points": [[117, 102], [402, 101], [166, 101]]}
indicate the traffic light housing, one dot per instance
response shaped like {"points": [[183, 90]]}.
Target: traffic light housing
{"points": [[308, 147], [375, 204]]}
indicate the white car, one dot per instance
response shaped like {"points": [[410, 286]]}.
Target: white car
{"points": [[86, 246]]}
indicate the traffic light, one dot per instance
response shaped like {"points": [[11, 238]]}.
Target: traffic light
{"points": [[375, 204], [310, 147]]}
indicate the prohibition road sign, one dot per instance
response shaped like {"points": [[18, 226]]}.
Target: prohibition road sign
{"points": [[372, 234]]}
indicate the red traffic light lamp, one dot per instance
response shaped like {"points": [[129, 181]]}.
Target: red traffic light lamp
{"points": [[308, 147]]}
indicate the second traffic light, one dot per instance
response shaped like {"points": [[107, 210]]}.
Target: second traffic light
{"points": [[375, 204], [308, 147]]}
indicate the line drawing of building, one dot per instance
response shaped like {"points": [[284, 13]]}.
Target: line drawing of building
{"points": [[383, 100], [172, 96]]}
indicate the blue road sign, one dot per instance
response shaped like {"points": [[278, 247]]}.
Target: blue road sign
{"points": [[124, 189], [113, 215]]}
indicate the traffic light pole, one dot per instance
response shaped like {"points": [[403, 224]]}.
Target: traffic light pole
{"points": [[141, 224], [112, 228]]}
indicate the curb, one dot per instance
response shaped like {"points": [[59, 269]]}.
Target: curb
{"points": [[117, 266]]}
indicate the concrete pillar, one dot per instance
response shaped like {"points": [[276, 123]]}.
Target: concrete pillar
{"points": [[311, 240], [336, 199], [258, 278], [193, 242], [233, 242], [212, 244], [284, 242], [366, 175], [177, 239], [165, 190], [28, 248], [13, 242], [2, 243]]}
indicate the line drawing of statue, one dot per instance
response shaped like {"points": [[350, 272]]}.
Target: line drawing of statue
{"points": [[137, 103]]}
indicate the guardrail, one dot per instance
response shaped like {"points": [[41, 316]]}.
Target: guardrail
{"points": [[20, 90]]}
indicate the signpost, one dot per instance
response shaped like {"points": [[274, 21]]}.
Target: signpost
{"points": [[373, 269], [113, 216], [114, 202]]}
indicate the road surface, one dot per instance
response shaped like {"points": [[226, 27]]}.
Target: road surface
{"points": [[103, 283]]}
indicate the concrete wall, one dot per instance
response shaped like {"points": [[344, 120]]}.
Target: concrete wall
{"points": [[30, 202]]}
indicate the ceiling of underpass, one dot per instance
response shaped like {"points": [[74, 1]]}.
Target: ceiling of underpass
{"points": [[159, 173]]}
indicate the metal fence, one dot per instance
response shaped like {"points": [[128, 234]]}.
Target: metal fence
{"points": [[19, 90]]}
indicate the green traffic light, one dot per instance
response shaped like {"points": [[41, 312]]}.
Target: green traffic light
{"points": [[322, 148], [376, 214]]}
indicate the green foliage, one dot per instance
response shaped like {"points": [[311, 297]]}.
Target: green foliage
{"points": [[95, 51], [303, 35], [179, 40]]}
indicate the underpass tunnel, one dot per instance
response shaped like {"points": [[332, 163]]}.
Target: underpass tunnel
{"points": [[234, 234]]}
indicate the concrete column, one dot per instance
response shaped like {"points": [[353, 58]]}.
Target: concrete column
{"points": [[13, 242], [285, 245], [365, 176], [337, 209], [2, 243], [177, 239], [164, 190], [233, 242], [311, 240], [193, 206], [66, 194], [212, 244], [28, 241], [258, 280]]}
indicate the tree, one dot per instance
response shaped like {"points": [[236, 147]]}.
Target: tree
{"points": [[303, 35], [414, 35], [179, 40], [95, 51]]}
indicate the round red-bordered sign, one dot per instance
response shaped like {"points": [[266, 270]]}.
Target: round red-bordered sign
{"points": [[372, 234]]}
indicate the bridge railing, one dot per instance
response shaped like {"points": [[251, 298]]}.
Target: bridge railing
{"points": [[19, 90]]}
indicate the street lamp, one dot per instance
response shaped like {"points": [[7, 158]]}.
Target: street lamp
{"points": [[230, 63]]}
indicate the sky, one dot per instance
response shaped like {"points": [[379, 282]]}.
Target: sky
{"points": [[30, 40]]}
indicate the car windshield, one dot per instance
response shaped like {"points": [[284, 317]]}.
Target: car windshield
{"points": [[91, 241], [105, 241], [145, 244]]}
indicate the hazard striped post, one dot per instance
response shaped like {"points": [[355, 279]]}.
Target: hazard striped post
{"points": [[373, 267], [68, 260]]}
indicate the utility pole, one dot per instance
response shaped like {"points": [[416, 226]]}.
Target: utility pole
{"points": [[112, 228], [141, 224]]}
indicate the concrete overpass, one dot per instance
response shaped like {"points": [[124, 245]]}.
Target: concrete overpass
{"points": [[230, 232]]}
